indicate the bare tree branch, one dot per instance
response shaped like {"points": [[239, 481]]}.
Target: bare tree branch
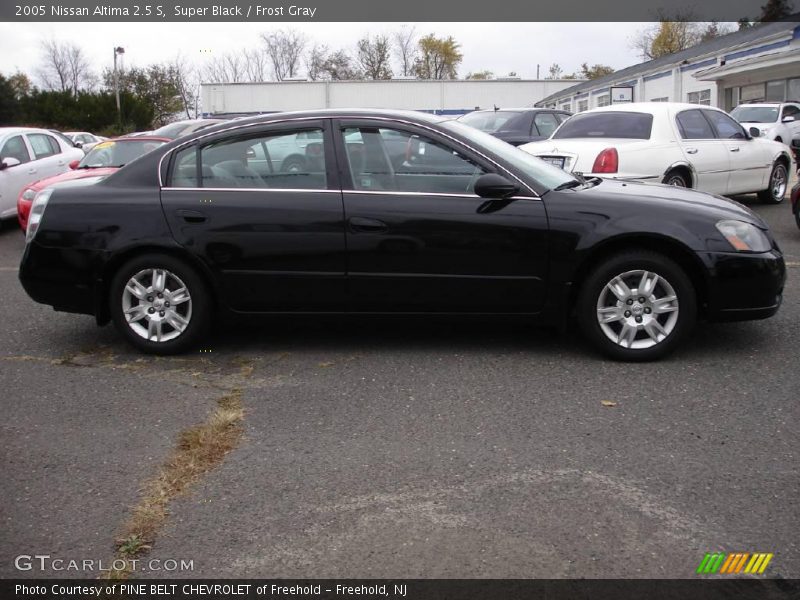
{"points": [[284, 49]]}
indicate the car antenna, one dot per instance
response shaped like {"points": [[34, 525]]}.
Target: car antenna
{"points": [[496, 108]]}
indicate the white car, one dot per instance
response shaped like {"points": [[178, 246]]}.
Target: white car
{"points": [[779, 121], [84, 140], [687, 145], [27, 155]]}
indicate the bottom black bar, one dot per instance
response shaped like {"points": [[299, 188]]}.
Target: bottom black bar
{"points": [[405, 589]]}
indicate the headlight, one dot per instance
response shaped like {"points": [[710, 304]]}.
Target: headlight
{"points": [[37, 212], [29, 194], [744, 237]]}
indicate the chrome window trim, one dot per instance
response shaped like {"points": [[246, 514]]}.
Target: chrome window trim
{"points": [[238, 189], [341, 117]]}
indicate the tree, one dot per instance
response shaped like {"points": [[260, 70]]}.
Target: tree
{"points": [[339, 66], [256, 65], [555, 72], [157, 85], [373, 57], [595, 71], [20, 84], [744, 23], [315, 62], [64, 67], [9, 103], [225, 68], [406, 48], [438, 58], [186, 83], [775, 10], [480, 75], [285, 50], [714, 29]]}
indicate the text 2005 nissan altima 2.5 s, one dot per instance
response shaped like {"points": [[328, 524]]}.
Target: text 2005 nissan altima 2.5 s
{"points": [[464, 224]]}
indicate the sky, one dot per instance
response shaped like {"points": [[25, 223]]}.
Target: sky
{"points": [[498, 47]]}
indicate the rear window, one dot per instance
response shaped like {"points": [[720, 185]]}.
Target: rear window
{"points": [[626, 125], [489, 121]]}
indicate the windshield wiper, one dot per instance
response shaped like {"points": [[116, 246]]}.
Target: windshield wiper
{"points": [[567, 185]]}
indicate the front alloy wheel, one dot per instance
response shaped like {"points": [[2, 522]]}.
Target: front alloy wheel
{"points": [[637, 309], [636, 305]]}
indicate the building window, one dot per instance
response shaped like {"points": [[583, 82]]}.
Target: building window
{"points": [[701, 97], [662, 99], [794, 90], [604, 100], [583, 105], [567, 107], [752, 93], [776, 91]]}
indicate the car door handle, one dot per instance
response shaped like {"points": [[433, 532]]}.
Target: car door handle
{"points": [[31, 171], [191, 216], [734, 149], [366, 225], [691, 151]]}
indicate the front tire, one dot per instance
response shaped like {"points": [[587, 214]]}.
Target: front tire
{"points": [[778, 182], [159, 304], [637, 306]]}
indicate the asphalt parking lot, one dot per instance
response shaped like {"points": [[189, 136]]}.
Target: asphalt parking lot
{"points": [[407, 448]]}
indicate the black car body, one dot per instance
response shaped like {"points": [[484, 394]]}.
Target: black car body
{"points": [[466, 224], [795, 203], [517, 126]]}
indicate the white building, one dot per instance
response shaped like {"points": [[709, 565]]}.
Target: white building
{"points": [[755, 64], [449, 97]]}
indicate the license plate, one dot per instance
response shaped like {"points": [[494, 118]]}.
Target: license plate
{"points": [[556, 161]]}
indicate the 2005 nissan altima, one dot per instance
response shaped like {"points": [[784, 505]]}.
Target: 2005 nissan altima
{"points": [[464, 223]]}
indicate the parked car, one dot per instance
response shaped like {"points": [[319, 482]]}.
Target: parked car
{"points": [[83, 139], [517, 126], [102, 160], [685, 145], [179, 128], [795, 201], [192, 228], [28, 154], [779, 121]]}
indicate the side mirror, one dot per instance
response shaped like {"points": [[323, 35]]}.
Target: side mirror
{"points": [[788, 120], [78, 144], [754, 132], [74, 164], [492, 185], [9, 162]]}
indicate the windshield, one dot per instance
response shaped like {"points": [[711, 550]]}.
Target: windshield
{"points": [[547, 175], [604, 124], [755, 114], [117, 154], [488, 121]]}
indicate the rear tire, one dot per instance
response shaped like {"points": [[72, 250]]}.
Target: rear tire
{"points": [[637, 306], [159, 304], [677, 178], [778, 183]]}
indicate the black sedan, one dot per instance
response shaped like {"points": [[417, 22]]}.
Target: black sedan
{"points": [[795, 202], [465, 224], [517, 126]]}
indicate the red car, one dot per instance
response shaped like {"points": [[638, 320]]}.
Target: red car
{"points": [[100, 161]]}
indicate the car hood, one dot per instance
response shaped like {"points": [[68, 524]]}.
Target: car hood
{"points": [[644, 194], [99, 172]]}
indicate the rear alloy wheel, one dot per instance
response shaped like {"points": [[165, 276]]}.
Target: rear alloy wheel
{"points": [[778, 182], [676, 178], [637, 306], [159, 304]]}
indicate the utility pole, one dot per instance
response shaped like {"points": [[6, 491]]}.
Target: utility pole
{"points": [[117, 50]]}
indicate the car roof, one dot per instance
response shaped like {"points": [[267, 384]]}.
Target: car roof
{"points": [[517, 109], [140, 138], [654, 108], [14, 130]]}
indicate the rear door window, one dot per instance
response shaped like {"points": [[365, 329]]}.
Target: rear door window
{"points": [[694, 126], [623, 125], [42, 146], [545, 123]]}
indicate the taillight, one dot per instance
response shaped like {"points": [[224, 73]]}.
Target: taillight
{"points": [[606, 162]]}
